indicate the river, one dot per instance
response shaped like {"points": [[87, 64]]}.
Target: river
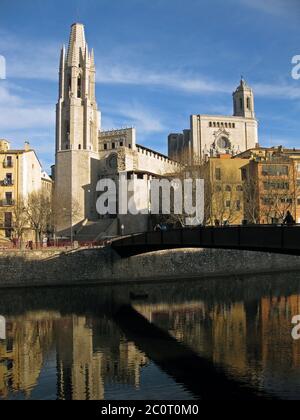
{"points": [[212, 339]]}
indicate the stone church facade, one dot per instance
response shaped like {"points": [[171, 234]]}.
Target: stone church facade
{"points": [[85, 154], [211, 135]]}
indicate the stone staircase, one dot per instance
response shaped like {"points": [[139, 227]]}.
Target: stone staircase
{"points": [[95, 231]]}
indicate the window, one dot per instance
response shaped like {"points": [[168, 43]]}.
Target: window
{"points": [[121, 144], [267, 201], [223, 143], [233, 125], [79, 146], [298, 201], [9, 162], [9, 180], [239, 188], [228, 188], [244, 174], [228, 203], [210, 124], [248, 103], [275, 170], [129, 145], [8, 220], [113, 145], [218, 174], [8, 198], [105, 146], [8, 224], [286, 200], [238, 205], [79, 87], [276, 185]]}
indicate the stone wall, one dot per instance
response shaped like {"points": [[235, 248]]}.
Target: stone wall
{"points": [[89, 266]]}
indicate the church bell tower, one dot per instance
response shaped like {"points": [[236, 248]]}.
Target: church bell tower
{"points": [[243, 101], [77, 130], [77, 113]]}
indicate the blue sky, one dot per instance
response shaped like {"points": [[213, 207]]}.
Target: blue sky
{"points": [[157, 62]]}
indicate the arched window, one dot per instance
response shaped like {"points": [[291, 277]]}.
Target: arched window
{"points": [[228, 188], [79, 87], [248, 103]]}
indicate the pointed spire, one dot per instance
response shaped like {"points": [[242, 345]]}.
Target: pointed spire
{"points": [[86, 55], [243, 84], [62, 57], [77, 43], [92, 58]]}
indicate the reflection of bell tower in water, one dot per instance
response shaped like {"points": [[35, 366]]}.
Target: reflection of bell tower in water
{"points": [[77, 126]]}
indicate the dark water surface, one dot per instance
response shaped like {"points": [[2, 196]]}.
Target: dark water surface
{"points": [[219, 338]]}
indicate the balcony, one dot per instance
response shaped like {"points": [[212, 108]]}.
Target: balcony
{"points": [[7, 203], [7, 182], [8, 164]]}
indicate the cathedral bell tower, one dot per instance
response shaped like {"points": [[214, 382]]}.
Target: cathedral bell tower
{"points": [[77, 130], [243, 101]]}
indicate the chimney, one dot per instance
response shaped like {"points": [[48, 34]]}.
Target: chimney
{"points": [[26, 146]]}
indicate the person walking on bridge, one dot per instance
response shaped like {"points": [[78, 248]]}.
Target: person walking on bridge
{"points": [[288, 220]]}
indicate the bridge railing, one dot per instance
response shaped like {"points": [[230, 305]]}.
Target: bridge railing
{"points": [[260, 237]]}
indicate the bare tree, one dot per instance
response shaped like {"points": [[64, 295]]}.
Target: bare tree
{"points": [[20, 219], [278, 198], [251, 200], [38, 208]]}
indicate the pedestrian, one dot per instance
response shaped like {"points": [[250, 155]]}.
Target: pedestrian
{"points": [[288, 220], [157, 228]]}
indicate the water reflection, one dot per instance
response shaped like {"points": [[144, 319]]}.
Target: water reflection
{"points": [[70, 344]]}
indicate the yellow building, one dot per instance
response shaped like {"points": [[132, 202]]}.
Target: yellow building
{"points": [[224, 190], [20, 175]]}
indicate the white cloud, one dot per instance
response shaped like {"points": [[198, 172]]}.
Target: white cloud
{"points": [[17, 113], [7, 98], [113, 73], [274, 7], [283, 91], [18, 118], [29, 59], [145, 120], [42, 64]]}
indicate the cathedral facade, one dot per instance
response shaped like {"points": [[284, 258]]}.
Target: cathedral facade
{"points": [[212, 135]]}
